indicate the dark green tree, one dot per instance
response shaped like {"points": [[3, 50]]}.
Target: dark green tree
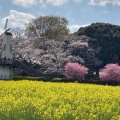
{"points": [[106, 37]]}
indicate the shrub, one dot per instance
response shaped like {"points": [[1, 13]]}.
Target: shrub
{"points": [[75, 71], [29, 78], [110, 72]]}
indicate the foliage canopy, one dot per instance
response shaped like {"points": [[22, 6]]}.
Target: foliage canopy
{"points": [[47, 26], [106, 37]]}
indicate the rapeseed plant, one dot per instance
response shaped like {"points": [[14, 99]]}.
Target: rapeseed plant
{"points": [[28, 100]]}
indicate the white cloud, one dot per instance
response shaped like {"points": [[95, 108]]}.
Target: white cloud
{"points": [[26, 3], [17, 19], [57, 2], [78, 0], [104, 2], [74, 28]]}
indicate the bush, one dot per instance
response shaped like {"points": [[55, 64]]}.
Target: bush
{"points": [[110, 72], [56, 79], [75, 71], [29, 78]]}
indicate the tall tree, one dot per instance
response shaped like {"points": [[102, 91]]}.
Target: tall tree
{"points": [[106, 37], [47, 27]]}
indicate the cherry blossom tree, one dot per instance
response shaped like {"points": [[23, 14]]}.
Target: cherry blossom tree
{"points": [[50, 56], [75, 71], [110, 72]]}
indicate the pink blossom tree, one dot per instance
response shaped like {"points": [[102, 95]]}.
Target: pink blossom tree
{"points": [[110, 72], [75, 71]]}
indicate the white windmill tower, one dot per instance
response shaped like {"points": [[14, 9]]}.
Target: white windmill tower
{"points": [[6, 58]]}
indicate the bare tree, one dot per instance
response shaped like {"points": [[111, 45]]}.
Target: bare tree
{"points": [[47, 26]]}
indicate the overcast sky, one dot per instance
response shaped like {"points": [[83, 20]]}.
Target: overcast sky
{"points": [[78, 12]]}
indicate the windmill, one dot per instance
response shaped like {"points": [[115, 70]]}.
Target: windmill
{"points": [[6, 58]]}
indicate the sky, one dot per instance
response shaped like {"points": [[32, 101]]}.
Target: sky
{"points": [[79, 13]]}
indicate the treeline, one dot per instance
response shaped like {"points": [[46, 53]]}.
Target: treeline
{"points": [[47, 45]]}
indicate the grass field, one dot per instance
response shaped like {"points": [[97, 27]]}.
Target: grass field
{"points": [[28, 100]]}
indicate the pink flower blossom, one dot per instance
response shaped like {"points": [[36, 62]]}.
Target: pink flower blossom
{"points": [[110, 72], [75, 70]]}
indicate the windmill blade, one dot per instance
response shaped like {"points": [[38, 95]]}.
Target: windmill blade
{"points": [[7, 30], [6, 24]]}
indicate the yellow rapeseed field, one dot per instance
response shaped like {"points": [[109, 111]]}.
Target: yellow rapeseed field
{"points": [[33, 100]]}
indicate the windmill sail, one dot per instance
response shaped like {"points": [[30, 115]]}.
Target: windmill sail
{"points": [[6, 24]]}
